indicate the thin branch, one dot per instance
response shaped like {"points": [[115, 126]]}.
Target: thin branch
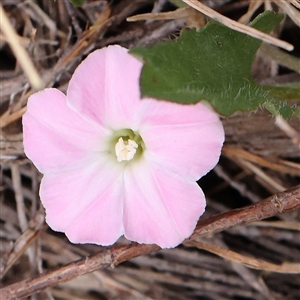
{"points": [[277, 204], [272, 206]]}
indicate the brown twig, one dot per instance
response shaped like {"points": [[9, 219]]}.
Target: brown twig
{"points": [[274, 205]]}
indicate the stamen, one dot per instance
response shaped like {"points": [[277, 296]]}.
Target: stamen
{"points": [[125, 150]]}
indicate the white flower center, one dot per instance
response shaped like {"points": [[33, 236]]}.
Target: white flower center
{"points": [[125, 150]]}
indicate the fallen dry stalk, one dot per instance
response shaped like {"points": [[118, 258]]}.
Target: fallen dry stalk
{"points": [[238, 26], [20, 53], [253, 263], [280, 203], [295, 3], [291, 11], [288, 130], [238, 153]]}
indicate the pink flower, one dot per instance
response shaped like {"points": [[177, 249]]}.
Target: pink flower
{"points": [[114, 164]]}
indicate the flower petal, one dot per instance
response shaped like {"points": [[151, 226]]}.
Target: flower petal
{"points": [[54, 135], [86, 202], [160, 207], [185, 139], [105, 87]]}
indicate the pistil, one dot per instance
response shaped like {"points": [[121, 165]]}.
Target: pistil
{"points": [[125, 150]]}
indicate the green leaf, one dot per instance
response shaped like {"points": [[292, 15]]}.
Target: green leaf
{"points": [[213, 64], [277, 107], [285, 91], [178, 3], [77, 2]]}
